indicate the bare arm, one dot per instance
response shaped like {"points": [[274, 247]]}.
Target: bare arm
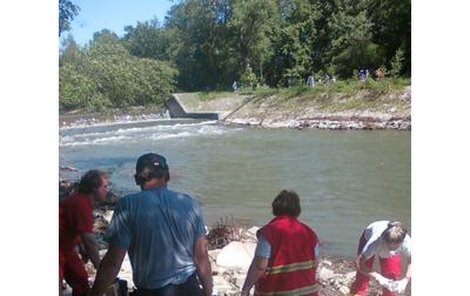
{"points": [[91, 248], [203, 266], [361, 267], [408, 269], [109, 268], [82, 251], [255, 272]]}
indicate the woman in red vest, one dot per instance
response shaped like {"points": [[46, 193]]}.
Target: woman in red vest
{"points": [[287, 253]]}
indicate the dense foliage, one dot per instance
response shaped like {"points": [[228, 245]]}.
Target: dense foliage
{"points": [[105, 75], [208, 44]]}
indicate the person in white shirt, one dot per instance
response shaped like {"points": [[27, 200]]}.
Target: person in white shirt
{"points": [[389, 241]]}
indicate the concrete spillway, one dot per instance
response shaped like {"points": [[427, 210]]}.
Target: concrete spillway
{"points": [[177, 110]]}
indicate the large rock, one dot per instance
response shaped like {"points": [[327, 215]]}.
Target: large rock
{"points": [[236, 255]]}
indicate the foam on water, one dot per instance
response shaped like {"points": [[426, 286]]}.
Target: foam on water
{"points": [[105, 134]]}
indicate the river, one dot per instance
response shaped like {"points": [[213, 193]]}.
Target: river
{"points": [[345, 179]]}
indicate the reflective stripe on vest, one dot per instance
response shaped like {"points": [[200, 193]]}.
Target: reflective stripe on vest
{"points": [[290, 267], [296, 292]]}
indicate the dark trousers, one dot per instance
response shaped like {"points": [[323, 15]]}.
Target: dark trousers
{"points": [[188, 288]]}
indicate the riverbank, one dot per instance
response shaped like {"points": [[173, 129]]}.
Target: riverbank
{"points": [[365, 109], [231, 249]]}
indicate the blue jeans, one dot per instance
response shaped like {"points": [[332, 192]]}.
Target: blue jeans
{"points": [[188, 288]]}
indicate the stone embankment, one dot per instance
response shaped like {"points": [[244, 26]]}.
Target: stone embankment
{"points": [[361, 111]]}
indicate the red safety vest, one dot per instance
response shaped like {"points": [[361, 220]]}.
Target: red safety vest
{"points": [[291, 269]]}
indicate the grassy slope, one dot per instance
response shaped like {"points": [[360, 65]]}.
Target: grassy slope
{"points": [[342, 99]]}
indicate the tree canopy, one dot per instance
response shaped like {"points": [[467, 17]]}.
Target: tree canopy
{"points": [[67, 11], [208, 44]]}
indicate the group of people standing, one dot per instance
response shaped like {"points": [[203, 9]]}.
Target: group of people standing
{"points": [[163, 232]]}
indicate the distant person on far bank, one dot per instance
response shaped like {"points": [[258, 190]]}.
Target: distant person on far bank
{"points": [[311, 80], [163, 231], [287, 253], [235, 86], [389, 241], [76, 227]]}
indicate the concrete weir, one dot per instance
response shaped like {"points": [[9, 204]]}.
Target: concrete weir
{"points": [[177, 110]]}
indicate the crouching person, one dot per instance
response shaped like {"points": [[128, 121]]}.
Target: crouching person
{"points": [[388, 241]]}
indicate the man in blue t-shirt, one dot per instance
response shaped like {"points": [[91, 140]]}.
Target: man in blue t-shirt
{"points": [[163, 232]]}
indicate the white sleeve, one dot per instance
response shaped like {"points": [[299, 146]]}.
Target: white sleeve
{"points": [[371, 248], [406, 246]]}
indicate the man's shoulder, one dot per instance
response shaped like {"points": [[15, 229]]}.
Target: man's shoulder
{"points": [[168, 193], [131, 197], [180, 195]]}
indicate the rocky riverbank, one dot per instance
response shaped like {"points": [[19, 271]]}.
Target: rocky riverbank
{"points": [[364, 110], [231, 249]]}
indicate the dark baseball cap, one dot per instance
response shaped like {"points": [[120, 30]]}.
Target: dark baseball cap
{"points": [[156, 163]]}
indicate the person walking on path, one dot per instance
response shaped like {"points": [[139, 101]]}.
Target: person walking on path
{"points": [[389, 241], [164, 233], [76, 228], [287, 253]]}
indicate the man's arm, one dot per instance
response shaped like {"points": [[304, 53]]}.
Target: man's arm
{"points": [[91, 248], [108, 270], [257, 269], [82, 251], [203, 266]]}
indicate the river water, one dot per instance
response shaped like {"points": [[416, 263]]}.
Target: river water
{"points": [[345, 179]]}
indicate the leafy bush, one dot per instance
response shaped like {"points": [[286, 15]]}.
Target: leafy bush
{"points": [[107, 76]]}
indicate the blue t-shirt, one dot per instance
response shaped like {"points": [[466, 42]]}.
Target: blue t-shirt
{"points": [[158, 227]]}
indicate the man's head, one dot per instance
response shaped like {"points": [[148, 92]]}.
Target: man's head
{"points": [[150, 166], [286, 203], [94, 183], [394, 235]]}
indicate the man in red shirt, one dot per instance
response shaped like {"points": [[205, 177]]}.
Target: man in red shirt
{"points": [[76, 226]]}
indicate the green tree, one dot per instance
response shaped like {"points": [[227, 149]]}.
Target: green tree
{"points": [[296, 38], [125, 79], [105, 75], [197, 26], [70, 52], [252, 24], [248, 78], [67, 11], [391, 29], [149, 40], [351, 38], [396, 64], [77, 90]]}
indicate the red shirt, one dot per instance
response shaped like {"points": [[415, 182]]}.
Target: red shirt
{"points": [[75, 218]]}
